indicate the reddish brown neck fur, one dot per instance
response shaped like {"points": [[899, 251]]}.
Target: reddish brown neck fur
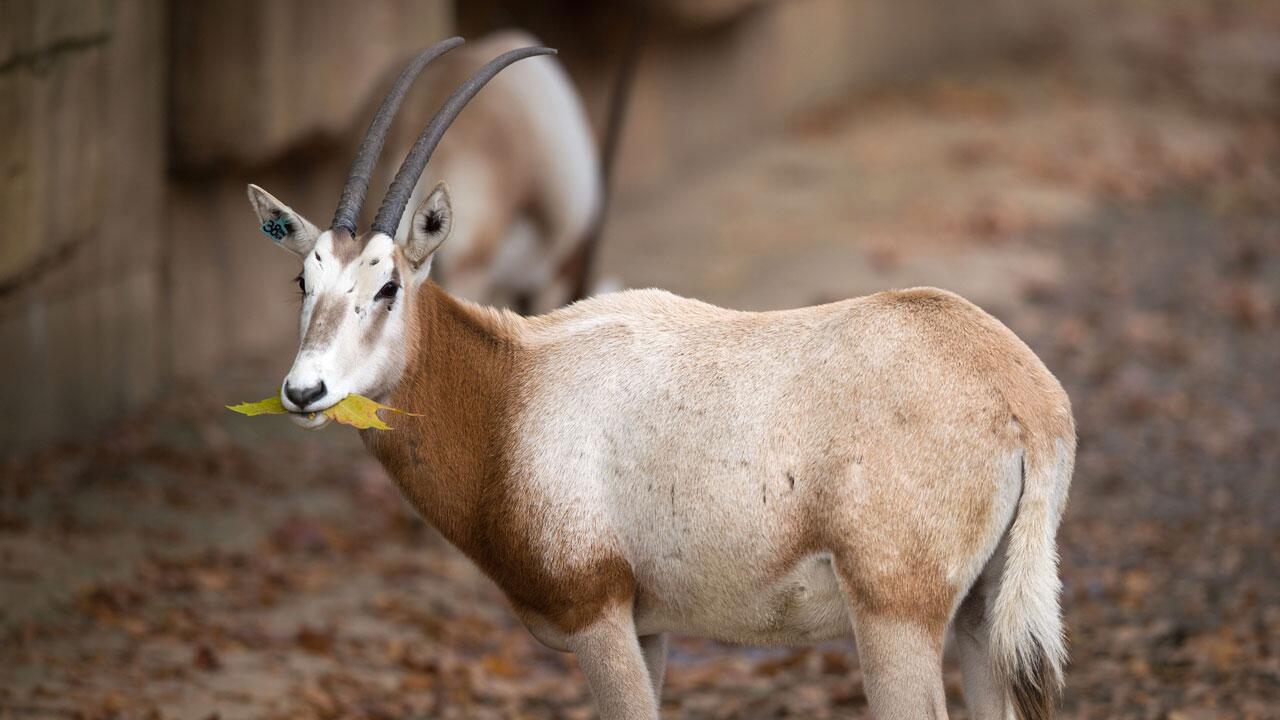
{"points": [[458, 375]]}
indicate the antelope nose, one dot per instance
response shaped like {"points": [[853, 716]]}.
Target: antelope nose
{"points": [[302, 397]]}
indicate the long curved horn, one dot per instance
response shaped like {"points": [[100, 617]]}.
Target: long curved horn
{"points": [[348, 212], [397, 197]]}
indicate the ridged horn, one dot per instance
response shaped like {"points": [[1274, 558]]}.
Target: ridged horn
{"points": [[393, 205], [353, 193]]}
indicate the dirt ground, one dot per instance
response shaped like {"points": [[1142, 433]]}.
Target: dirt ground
{"points": [[1117, 205]]}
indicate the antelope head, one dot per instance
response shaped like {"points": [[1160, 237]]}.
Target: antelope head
{"points": [[356, 322]]}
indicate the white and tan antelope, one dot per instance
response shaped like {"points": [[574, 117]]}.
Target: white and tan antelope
{"points": [[641, 464]]}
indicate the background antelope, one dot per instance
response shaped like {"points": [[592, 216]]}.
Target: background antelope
{"points": [[529, 183], [641, 464]]}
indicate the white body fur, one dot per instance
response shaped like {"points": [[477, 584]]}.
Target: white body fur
{"points": [[688, 438], [695, 442]]}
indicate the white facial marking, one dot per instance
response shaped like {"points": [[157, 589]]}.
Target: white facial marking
{"points": [[352, 326]]}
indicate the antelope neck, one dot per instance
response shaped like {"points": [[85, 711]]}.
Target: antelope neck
{"points": [[460, 375]]}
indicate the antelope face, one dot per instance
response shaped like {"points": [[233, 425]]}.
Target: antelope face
{"points": [[356, 321], [357, 290]]}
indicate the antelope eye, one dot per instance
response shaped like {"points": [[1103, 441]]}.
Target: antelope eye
{"points": [[388, 291], [302, 284]]}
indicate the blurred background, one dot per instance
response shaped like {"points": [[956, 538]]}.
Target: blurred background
{"points": [[1102, 176]]}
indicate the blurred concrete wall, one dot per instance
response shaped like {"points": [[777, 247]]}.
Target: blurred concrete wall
{"points": [[82, 193], [129, 128]]}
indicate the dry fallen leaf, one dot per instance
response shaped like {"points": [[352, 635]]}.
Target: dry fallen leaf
{"points": [[354, 410], [206, 659], [270, 406]]}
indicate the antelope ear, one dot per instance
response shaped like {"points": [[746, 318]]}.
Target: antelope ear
{"points": [[279, 222], [432, 223]]}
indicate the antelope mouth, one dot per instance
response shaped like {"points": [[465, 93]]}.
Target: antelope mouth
{"points": [[311, 420]]}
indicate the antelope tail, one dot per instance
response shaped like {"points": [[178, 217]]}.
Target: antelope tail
{"points": [[1027, 644]]}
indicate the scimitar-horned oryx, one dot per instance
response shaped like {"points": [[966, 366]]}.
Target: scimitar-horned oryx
{"points": [[640, 464]]}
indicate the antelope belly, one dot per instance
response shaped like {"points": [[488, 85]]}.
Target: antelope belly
{"points": [[804, 606]]}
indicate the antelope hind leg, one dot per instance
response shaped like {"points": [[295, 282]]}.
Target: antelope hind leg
{"points": [[901, 668], [654, 648]]}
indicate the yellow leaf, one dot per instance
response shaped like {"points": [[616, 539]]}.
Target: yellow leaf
{"points": [[269, 406], [361, 412], [354, 410]]}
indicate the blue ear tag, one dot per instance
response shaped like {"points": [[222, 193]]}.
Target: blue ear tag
{"points": [[275, 228]]}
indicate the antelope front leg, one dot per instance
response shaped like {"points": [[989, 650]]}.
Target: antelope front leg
{"points": [[610, 656]]}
